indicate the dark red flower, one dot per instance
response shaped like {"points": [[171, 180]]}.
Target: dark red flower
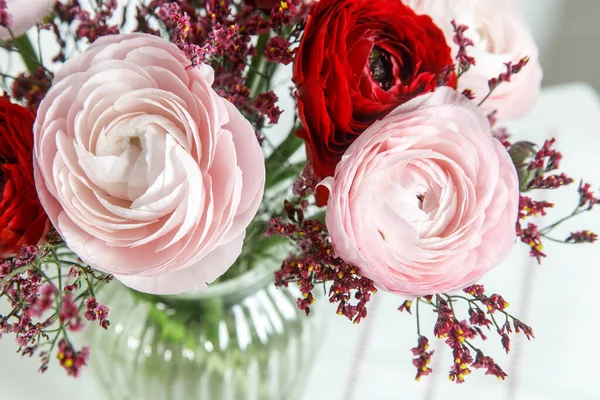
{"points": [[358, 60], [95, 311], [70, 359], [263, 4], [22, 218], [278, 50], [68, 310]]}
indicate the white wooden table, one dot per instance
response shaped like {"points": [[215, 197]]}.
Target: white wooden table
{"points": [[372, 361]]}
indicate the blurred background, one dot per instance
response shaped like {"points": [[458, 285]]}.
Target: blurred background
{"points": [[568, 35]]}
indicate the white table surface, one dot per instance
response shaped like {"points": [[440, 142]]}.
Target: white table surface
{"points": [[372, 361]]}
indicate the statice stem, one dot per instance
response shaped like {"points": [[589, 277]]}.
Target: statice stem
{"points": [[486, 97], [555, 240], [16, 272], [418, 300], [549, 228]]}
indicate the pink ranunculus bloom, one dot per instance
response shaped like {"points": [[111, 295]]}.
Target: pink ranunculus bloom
{"points": [[425, 201], [25, 13], [143, 169], [500, 35]]}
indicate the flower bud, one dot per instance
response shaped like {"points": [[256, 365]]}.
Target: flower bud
{"points": [[523, 154]]}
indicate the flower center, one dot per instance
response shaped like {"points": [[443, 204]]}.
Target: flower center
{"points": [[123, 142], [381, 68], [421, 198]]}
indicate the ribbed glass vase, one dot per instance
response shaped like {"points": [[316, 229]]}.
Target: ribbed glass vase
{"points": [[237, 340]]}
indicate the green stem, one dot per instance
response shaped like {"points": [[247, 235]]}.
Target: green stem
{"points": [[495, 323], [473, 347], [265, 83], [27, 51], [59, 273], [418, 318], [284, 150], [89, 284], [16, 272], [43, 274], [554, 239], [486, 97], [549, 228], [33, 81], [276, 176], [258, 61]]}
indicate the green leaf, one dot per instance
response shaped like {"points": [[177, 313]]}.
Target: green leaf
{"points": [[275, 176], [28, 54], [284, 151]]}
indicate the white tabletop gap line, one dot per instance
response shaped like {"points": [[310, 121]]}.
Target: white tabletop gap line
{"points": [[361, 349]]}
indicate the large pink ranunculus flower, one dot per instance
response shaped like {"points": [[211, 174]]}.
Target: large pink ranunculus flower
{"points": [[25, 13], [143, 169], [425, 201], [500, 35]]}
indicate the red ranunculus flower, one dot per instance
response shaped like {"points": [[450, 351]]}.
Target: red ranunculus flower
{"points": [[358, 60], [22, 218]]}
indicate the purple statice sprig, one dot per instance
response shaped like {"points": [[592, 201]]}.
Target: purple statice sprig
{"points": [[315, 262], [537, 169], [504, 77], [243, 44], [541, 169], [463, 60], [484, 312], [587, 202], [31, 87], [92, 26], [49, 293], [532, 235]]}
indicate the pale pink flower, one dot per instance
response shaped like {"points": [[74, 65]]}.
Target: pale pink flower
{"points": [[500, 35], [25, 13], [142, 168], [425, 200]]}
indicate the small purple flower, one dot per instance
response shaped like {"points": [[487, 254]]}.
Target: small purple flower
{"points": [[70, 359], [278, 50], [5, 17], [266, 103], [95, 311], [69, 310]]}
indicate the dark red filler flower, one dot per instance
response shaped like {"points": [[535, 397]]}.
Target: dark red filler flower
{"points": [[22, 218], [263, 4], [358, 60], [95, 311], [70, 359]]}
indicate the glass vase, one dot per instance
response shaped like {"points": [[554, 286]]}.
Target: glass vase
{"points": [[237, 340]]}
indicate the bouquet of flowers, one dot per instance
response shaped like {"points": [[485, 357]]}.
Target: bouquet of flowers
{"points": [[142, 150]]}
